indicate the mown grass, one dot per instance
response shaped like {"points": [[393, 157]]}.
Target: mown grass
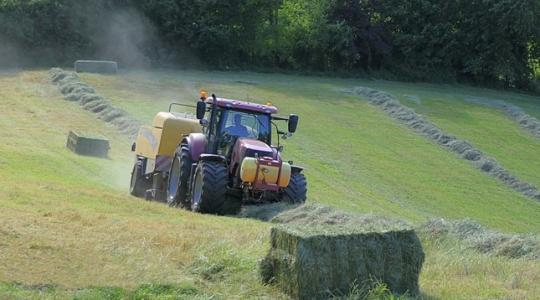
{"points": [[67, 220], [486, 127], [355, 157], [68, 229]]}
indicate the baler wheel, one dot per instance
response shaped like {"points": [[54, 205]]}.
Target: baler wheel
{"points": [[296, 191], [138, 184], [209, 192]]}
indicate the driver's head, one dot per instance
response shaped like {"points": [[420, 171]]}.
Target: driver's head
{"points": [[237, 120]]}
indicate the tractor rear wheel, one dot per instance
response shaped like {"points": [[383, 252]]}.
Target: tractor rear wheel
{"points": [[296, 191], [138, 184], [209, 191], [177, 187]]}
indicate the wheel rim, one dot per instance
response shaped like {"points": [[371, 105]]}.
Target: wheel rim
{"points": [[197, 190], [174, 180]]}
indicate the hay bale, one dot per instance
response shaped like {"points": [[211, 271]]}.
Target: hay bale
{"points": [[317, 251], [317, 261], [87, 144], [96, 66]]}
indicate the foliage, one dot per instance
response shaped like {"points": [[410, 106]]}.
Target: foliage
{"points": [[481, 41]]}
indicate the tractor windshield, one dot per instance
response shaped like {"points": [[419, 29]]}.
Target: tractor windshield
{"points": [[246, 124]]}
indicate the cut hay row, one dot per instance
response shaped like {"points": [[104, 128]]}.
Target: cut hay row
{"points": [[73, 89], [472, 234], [526, 121], [464, 149], [484, 240]]}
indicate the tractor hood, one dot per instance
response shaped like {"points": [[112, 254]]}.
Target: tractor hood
{"points": [[245, 147], [252, 148]]}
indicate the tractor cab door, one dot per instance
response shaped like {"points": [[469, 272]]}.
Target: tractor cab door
{"points": [[213, 131]]}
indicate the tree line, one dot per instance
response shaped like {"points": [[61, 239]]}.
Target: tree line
{"points": [[480, 41]]}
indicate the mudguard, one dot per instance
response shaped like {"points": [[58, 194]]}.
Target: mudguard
{"points": [[196, 143], [296, 169], [212, 157]]}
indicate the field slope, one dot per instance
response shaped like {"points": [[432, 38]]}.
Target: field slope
{"points": [[69, 229], [356, 157]]}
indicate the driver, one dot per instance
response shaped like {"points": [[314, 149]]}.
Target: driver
{"points": [[237, 129]]}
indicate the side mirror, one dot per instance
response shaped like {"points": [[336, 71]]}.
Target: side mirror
{"points": [[201, 110], [293, 123]]}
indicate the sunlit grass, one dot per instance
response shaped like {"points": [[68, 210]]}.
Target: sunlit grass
{"points": [[68, 228], [355, 156]]}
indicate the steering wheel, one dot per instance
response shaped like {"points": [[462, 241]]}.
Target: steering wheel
{"points": [[226, 138]]}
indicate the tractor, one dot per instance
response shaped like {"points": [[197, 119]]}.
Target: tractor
{"points": [[218, 160]]}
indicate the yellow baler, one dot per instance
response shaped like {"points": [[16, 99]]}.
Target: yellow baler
{"points": [[156, 144]]}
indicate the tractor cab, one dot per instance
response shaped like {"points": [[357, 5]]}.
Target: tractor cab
{"points": [[231, 120], [232, 125]]}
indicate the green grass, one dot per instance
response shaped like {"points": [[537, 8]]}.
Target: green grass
{"points": [[487, 128], [355, 157], [68, 229]]}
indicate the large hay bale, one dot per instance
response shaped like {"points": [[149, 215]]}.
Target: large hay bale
{"points": [[96, 66], [317, 260], [87, 145]]}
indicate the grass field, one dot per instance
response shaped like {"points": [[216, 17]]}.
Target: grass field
{"points": [[69, 229], [487, 128], [387, 169]]}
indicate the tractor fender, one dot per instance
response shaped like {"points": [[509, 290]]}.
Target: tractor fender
{"points": [[213, 157], [196, 143], [296, 169]]}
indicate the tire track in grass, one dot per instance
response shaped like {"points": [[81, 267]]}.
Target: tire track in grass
{"points": [[405, 115]]}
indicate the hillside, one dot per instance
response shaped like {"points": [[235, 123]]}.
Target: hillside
{"points": [[387, 168], [69, 229]]}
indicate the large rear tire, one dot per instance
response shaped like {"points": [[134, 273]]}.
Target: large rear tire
{"points": [[138, 184], [209, 191], [177, 187], [296, 191]]}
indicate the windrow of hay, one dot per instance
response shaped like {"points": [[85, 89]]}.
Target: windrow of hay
{"points": [[317, 252], [464, 149], [470, 232], [526, 121], [484, 240], [73, 89]]}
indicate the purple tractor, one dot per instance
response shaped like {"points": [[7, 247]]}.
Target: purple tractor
{"points": [[225, 161]]}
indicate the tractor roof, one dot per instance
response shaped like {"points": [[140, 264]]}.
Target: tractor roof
{"points": [[242, 105]]}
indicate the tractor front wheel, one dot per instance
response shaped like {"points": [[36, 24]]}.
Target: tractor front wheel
{"points": [[296, 191], [209, 191]]}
